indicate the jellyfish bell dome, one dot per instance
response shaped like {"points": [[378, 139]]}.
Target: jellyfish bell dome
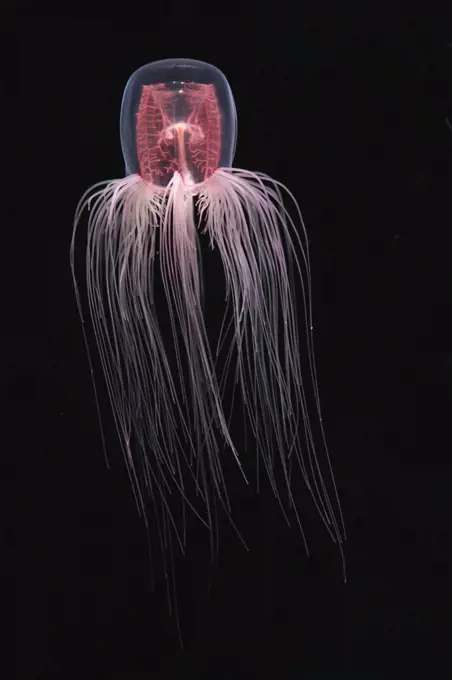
{"points": [[177, 115]]}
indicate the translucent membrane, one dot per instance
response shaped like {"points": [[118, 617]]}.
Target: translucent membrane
{"points": [[177, 115]]}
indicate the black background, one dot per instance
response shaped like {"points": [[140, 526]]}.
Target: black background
{"points": [[350, 110]]}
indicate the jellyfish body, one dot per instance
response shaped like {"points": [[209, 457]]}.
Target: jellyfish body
{"points": [[178, 136]]}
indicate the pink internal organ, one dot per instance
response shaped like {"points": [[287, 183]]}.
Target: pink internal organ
{"points": [[178, 130]]}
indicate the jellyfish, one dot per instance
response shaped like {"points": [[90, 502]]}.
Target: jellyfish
{"points": [[174, 388]]}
